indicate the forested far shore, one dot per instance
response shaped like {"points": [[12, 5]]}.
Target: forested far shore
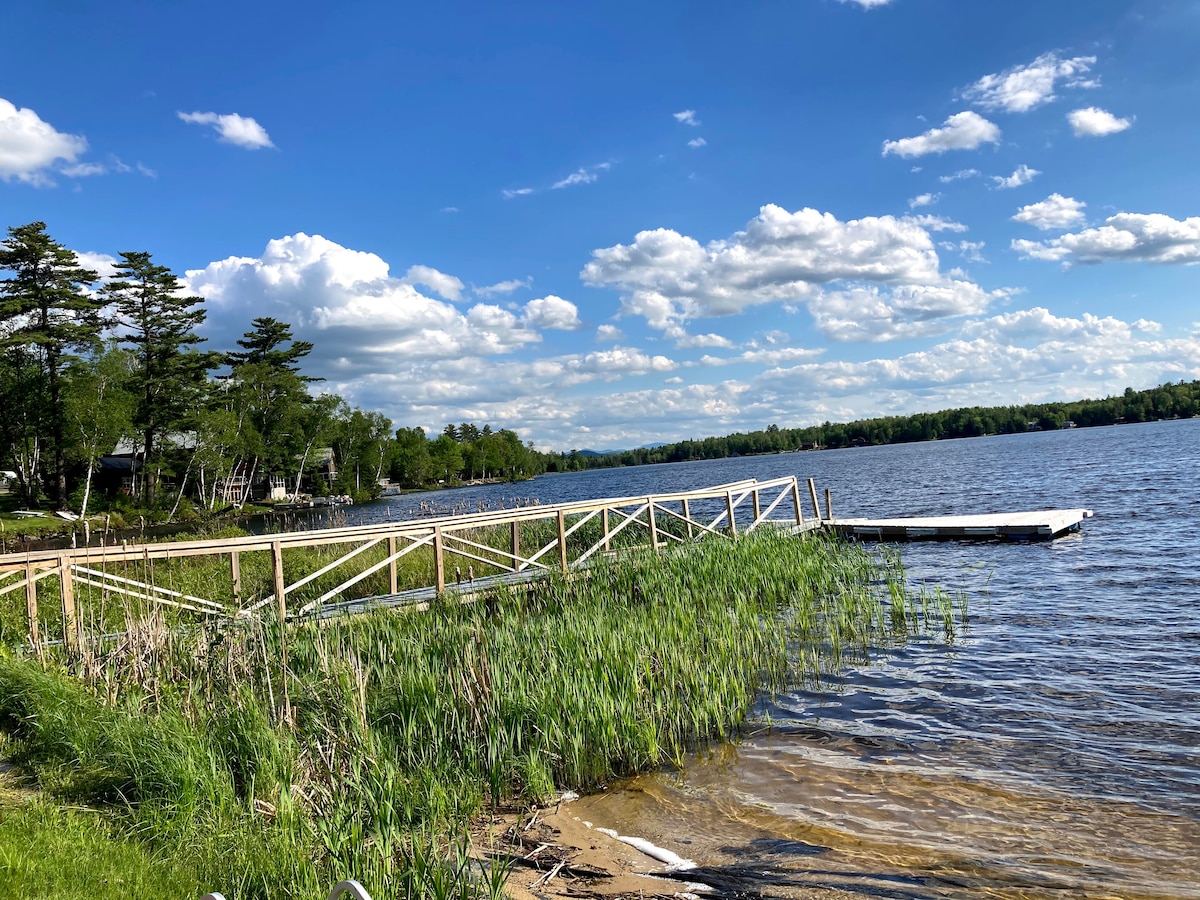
{"points": [[1179, 400], [111, 401]]}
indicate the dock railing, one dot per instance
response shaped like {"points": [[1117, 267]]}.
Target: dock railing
{"points": [[511, 543]]}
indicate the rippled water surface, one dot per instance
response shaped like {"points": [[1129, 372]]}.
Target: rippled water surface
{"points": [[1052, 751]]}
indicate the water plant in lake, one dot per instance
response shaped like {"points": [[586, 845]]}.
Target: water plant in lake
{"points": [[401, 726]]}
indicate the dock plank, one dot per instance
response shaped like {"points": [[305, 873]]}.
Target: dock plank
{"points": [[1042, 524]]}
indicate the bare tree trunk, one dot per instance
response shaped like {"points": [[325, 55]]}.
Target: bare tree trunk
{"points": [[87, 487], [300, 472], [249, 483]]}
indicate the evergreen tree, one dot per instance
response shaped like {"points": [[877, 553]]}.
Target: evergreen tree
{"points": [[159, 322], [44, 307], [265, 345]]}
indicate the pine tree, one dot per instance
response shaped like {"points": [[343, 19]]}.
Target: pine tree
{"points": [[159, 322], [265, 345], [45, 308]]}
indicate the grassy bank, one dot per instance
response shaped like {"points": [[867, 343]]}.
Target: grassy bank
{"points": [[389, 731]]}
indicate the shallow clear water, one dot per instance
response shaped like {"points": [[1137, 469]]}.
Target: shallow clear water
{"points": [[1053, 750]]}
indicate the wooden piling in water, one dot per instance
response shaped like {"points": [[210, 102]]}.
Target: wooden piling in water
{"points": [[829, 504], [729, 509], [796, 503]]}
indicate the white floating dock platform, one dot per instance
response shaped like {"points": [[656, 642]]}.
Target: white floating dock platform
{"points": [[1043, 524]]}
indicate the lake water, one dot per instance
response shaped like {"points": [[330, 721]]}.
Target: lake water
{"points": [[1052, 751]]}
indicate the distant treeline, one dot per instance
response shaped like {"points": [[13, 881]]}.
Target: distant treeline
{"points": [[1167, 401]]}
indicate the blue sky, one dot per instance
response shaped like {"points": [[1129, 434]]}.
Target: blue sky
{"points": [[609, 224]]}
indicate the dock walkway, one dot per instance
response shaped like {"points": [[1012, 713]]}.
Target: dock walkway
{"points": [[1041, 524]]}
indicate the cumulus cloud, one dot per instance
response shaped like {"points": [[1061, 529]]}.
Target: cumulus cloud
{"points": [[874, 313], [1056, 211], [1020, 177], [553, 312], [935, 223], [884, 265], [607, 333], [446, 286], [962, 131], [687, 117], [1027, 87], [1129, 237], [1096, 122], [924, 200], [360, 317], [696, 143], [29, 147], [241, 131], [959, 175]]}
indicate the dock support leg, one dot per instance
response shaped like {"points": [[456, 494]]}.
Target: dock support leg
{"points": [[281, 611], [439, 561], [829, 504], [604, 528], [796, 503], [562, 541], [729, 510], [70, 621], [393, 586], [516, 547], [812, 493], [31, 607], [687, 514], [757, 506], [653, 524], [235, 575]]}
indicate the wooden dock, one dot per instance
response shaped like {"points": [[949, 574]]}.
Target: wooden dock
{"points": [[1043, 524]]}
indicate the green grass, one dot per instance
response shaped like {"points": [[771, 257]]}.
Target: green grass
{"points": [[50, 853], [387, 732]]}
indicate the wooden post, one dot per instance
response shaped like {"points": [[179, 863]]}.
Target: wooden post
{"points": [[604, 527], [653, 523], [829, 504], [235, 575], [562, 541], [796, 503], [70, 622], [281, 611], [393, 585], [439, 560], [729, 509], [757, 506], [31, 606], [812, 493], [516, 547], [687, 514]]}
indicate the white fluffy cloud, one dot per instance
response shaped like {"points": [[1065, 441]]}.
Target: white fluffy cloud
{"points": [[697, 143], [924, 200], [29, 147], [1096, 122], [687, 117], [241, 131], [867, 279], [1132, 237], [346, 302], [446, 286], [962, 131], [1027, 87], [1056, 211], [553, 312], [1019, 178], [608, 333]]}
